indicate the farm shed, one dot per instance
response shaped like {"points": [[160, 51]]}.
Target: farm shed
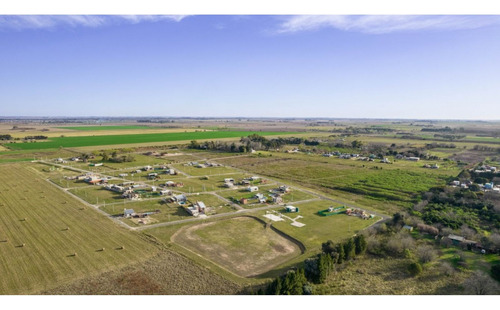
{"points": [[252, 188], [291, 209]]}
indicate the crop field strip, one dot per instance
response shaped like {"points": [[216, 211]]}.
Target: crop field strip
{"points": [[132, 139], [42, 228]]}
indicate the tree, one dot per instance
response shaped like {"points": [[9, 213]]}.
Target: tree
{"points": [[480, 284], [415, 269], [356, 144], [426, 253], [495, 272], [325, 266], [474, 188], [349, 249], [194, 144], [328, 247], [311, 268], [360, 244], [341, 253]]}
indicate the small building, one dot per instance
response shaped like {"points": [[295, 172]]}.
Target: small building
{"points": [[92, 179], [123, 175], [456, 239], [259, 196], [228, 180], [201, 206], [245, 182], [408, 227], [284, 189], [152, 175], [254, 178], [243, 201], [165, 192], [291, 209], [252, 188], [435, 166], [128, 212], [193, 210], [455, 183], [277, 199], [180, 198], [488, 185], [413, 158], [147, 168]]}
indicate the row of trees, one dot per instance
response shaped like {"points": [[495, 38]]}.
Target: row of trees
{"points": [[35, 138], [116, 158], [251, 142], [316, 269]]}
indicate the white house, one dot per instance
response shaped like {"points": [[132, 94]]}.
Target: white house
{"points": [[252, 188]]}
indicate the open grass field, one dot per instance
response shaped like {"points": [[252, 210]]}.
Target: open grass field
{"points": [[37, 250], [166, 273], [319, 229], [82, 141], [372, 183], [243, 245], [116, 127], [369, 275], [96, 194]]}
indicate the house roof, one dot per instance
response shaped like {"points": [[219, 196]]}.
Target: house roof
{"points": [[129, 211], [455, 237]]}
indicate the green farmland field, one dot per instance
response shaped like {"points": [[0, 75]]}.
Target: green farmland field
{"points": [[136, 138]]}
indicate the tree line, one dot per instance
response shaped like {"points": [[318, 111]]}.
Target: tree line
{"points": [[316, 269]]}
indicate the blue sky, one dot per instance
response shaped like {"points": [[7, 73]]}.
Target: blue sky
{"points": [[432, 67]]}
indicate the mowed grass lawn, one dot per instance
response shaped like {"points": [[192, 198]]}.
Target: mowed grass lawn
{"points": [[242, 245], [134, 138], [45, 260], [318, 228]]}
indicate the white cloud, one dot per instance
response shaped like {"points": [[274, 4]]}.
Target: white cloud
{"points": [[20, 22], [379, 24]]}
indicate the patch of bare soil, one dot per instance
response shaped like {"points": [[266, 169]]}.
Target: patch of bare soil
{"points": [[244, 253]]}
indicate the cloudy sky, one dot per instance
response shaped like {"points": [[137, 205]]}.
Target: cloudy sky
{"points": [[397, 66]]}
